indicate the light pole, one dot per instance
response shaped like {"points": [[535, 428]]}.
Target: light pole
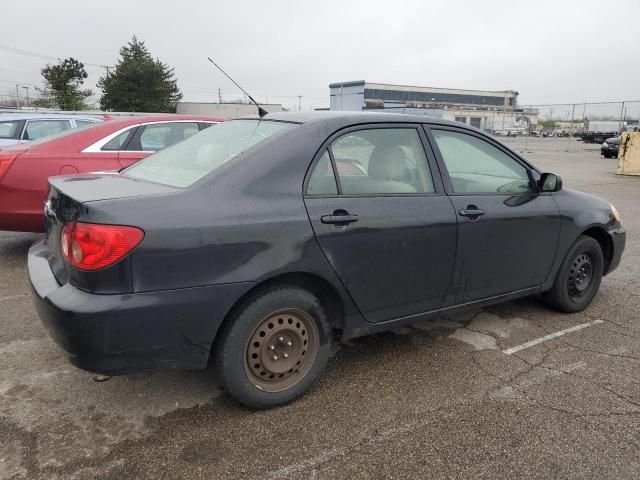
{"points": [[18, 96]]}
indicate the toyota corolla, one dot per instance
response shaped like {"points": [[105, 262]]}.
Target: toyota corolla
{"points": [[256, 244]]}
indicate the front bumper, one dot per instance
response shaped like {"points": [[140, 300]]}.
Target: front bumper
{"points": [[115, 334], [613, 152]]}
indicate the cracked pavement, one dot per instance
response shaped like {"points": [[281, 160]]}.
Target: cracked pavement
{"points": [[438, 399]]}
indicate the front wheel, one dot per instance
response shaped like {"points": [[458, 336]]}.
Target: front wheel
{"points": [[578, 278], [274, 347]]}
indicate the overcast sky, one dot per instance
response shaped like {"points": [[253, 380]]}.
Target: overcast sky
{"points": [[550, 51]]}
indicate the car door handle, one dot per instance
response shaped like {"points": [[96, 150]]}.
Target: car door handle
{"points": [[471, 212], [339, 218]]}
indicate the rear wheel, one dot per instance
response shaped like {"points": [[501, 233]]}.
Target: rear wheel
{"points": [[274, 347], [578, 278]]}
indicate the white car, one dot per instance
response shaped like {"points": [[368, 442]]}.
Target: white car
{"points": [[22, 128]]}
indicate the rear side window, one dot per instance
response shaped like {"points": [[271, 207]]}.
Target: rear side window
{"points": [[37, 129], [119, 141], [322, 180], [9, 129], [157, 136], [476, 166], [382, 161]]}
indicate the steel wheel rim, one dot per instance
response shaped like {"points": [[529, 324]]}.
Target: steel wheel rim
{"points": [[580, 275], [281, 350]]}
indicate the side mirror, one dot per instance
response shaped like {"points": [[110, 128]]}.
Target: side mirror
{"points": [[550, 182]]}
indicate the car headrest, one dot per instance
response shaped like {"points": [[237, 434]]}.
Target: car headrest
{"points": [[388, 163]]}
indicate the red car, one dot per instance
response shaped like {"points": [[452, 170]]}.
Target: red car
{"points": [[24, 169]]}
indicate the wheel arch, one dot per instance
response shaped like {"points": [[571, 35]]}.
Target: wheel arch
{"points": [[599, 234], [328, 295]]}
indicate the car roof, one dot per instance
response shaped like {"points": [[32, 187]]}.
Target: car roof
{"points": [[78, 139], [343, 117], [47, 116]]}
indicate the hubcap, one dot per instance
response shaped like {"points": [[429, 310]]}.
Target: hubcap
{"points": [[281, 350], [581, 275]]}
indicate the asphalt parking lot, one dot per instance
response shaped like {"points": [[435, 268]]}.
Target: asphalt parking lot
{"points": [[439, 399]]}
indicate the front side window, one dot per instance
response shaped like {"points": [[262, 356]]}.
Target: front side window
{"points": [[160, 135], [184, 163], [9, 129], [382, 161], [476, 166], [37, 129]]}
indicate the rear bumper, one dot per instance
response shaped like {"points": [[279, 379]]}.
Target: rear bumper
{"points": [[115, 334], [21, 210], [619, 239]]}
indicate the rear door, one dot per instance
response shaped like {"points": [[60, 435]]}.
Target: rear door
{"points": [[380, 214], [508, 233]]}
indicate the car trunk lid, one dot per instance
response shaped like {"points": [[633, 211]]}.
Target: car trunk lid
{"points": [[70, 199]]}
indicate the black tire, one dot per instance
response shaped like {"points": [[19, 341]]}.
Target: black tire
{"points": [[607, 155], [578, 278], [242, 354]]}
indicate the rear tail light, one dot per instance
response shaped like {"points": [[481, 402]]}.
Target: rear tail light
{"points": [[6, 159], [91, 246]]}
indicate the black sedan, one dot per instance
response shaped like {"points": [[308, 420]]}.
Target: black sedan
{"points": [[610, 147], [255, 244]]}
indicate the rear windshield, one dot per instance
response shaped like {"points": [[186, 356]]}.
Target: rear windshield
{"points": [[184, 163]]}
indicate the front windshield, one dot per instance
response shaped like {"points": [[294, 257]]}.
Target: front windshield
{"points": [[184, 163]]}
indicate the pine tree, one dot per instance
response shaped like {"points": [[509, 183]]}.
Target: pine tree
{"points": [[139, 83], [62, 86]]}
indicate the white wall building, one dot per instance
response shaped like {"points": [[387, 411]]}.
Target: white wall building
{"points": [[494, 111], [224, 110]]}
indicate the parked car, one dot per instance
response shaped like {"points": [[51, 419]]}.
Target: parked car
{"points": [[24, 169], [610, 147], [257, 243], [25, 127]]}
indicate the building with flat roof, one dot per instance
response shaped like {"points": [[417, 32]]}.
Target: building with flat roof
{"points": [[494, 111], [225, 110]]}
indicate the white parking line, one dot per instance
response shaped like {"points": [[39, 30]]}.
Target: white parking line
{"points": [[517, 348]]}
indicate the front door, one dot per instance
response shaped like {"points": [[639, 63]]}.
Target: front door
{"points": [[385, 225], [508, 233]]}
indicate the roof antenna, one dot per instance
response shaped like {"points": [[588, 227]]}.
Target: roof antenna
{"points": [[261, 111]]}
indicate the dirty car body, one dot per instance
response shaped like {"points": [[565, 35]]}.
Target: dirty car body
{"points": [[408, 242]]}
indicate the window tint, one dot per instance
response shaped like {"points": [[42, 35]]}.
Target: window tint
{"points": [[476, 166], [119, 141], [8, 129], [43, 128], [322, 180], [160, 135], [383, 160]]}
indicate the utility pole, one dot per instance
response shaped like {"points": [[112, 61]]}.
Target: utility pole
{"points": [[573, 110], [299, 103], [621, 118], [219, 96], [18, 96], [26, 88]]}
